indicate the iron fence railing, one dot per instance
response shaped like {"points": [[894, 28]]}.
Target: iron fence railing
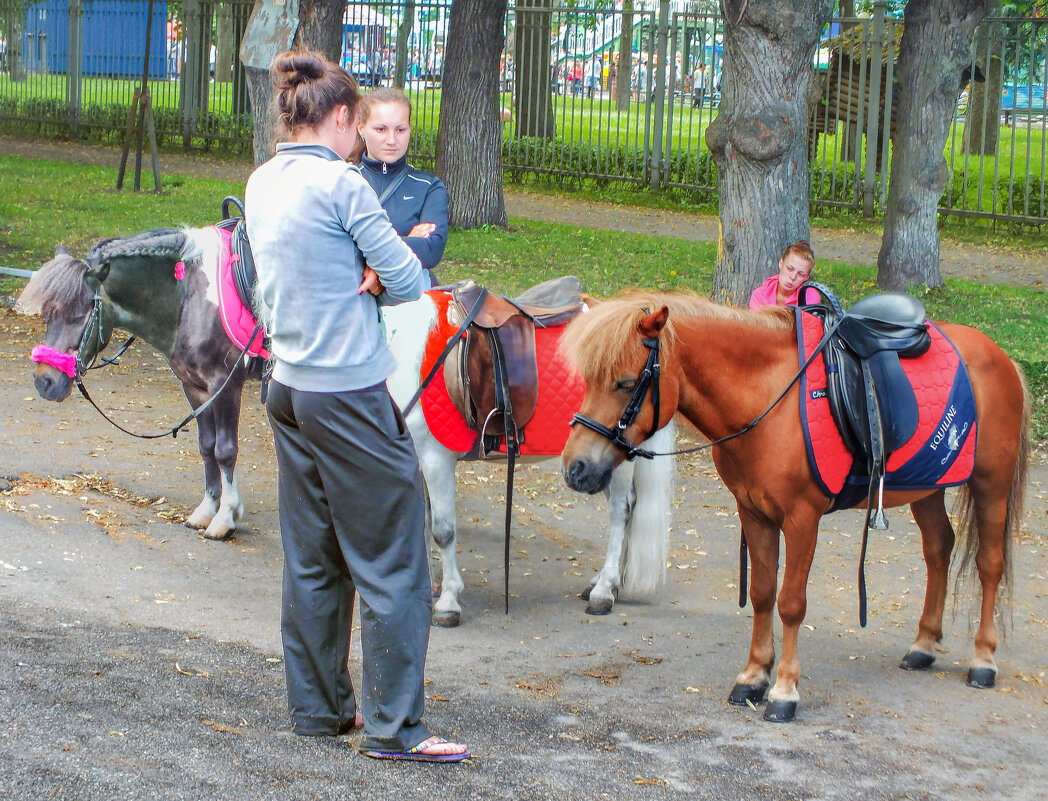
{"points": [[601, 94]]}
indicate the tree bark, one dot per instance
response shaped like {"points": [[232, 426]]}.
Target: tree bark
{"points": [[407, 22], [759, 140], [982, 120], [469, 136], [531, 55], [935, 48], [225, 47], [319, 27], [15, 57], [624, 70]]}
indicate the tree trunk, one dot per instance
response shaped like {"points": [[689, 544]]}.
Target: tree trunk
{"points": [[469, 136], [225, 47], [982, 119], [759, 140], [531, 55], [15, 56], [407, 22], [318, 26], [625, 67], [935, 48]]}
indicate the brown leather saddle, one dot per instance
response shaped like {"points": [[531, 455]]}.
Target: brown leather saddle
{"points": [[492, 378]]}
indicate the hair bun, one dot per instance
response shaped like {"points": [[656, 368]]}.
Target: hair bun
{"points": [[296, 67]]}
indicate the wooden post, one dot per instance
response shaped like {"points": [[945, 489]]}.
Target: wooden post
{"points": [[873, 109], [74, 63], [142, 104]]}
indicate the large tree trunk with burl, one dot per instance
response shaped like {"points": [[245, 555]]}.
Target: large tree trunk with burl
{"points": [[935, 48], [318, 26], [469, 136], [759, 139]]}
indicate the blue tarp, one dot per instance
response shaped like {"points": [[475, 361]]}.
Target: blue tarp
{"points": [[113, 40]]}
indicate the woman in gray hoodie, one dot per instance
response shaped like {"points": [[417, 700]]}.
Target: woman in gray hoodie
{"points": [[349, 486]]}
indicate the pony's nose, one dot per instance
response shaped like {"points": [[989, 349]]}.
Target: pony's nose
{"points": [[584, 476], [45, 385]]}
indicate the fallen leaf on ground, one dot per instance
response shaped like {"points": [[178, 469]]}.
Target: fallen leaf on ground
{"points": [[222, 727]]}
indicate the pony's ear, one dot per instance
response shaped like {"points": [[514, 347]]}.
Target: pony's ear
{"points": [[60, 250], [651, 324], [95, 277]]}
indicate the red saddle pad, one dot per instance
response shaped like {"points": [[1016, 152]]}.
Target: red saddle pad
{"points": [[940, 453], [561, 390]]}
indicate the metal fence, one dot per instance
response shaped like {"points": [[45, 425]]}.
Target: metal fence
{"points": [[587, 93]]}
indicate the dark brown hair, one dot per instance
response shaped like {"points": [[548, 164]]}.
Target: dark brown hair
{"points": [[386, 94], [309, 86], [802, 248]]}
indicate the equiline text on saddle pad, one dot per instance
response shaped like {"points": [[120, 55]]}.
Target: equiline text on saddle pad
{"points": [[941, 452], [560, 392], [238, 320]]}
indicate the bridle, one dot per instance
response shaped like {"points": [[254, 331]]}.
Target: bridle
{"points": [[649, 377], [94, 330]]}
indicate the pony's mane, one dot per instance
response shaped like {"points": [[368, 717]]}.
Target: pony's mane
{"points": [[602, 342], [157, 242], [57, 288]]}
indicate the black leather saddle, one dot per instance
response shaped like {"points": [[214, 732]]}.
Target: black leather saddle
{"points": [[244, 275], [870, 397]]}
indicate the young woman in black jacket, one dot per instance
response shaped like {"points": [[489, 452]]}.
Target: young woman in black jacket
{"points": [[416, 201]]}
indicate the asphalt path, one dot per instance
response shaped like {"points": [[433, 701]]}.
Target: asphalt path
{"points": [[139, 661]]}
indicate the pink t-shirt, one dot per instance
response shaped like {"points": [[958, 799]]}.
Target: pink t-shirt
{"points": [[766, 294]]}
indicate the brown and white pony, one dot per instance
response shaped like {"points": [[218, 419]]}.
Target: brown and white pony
{"points": [[720, 368]]}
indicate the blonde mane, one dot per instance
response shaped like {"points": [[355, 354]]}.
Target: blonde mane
{"points": [[603, 342]]}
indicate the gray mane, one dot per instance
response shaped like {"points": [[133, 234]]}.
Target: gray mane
{"points": [[158, 242], [58, 289]]}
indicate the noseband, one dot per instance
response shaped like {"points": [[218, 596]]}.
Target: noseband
{"points": [[649, 377], [73, 366]]}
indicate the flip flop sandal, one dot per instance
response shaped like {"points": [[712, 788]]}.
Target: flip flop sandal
{"points": [[418, 753]]}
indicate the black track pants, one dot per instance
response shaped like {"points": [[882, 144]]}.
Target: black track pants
{"points": [[351, 517]]}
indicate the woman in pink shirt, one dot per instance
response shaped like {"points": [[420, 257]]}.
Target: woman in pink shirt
{"points": [[795, 267]]}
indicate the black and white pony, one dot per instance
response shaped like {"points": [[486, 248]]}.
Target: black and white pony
{"points": [[161, 285]]}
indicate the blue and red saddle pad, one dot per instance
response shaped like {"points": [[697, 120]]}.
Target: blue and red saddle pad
{"points": [[941, 452]]}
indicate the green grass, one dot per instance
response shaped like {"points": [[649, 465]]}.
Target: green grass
{"points": [[46, 203], [591, 137]]}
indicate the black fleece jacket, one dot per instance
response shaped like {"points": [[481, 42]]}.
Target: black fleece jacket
{"points": [[420, 197]]}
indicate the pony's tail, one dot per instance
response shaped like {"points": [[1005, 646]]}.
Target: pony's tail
{"points": [[967, 527], [647, 532]]}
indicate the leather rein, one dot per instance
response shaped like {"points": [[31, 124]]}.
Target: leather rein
{"points": [[94, 320], [649, 378]]}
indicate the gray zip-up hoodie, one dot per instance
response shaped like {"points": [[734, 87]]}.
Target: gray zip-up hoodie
{"points": [[313, 221]]}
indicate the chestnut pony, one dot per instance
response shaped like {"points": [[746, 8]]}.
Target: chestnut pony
{"points": [[721, 368]]}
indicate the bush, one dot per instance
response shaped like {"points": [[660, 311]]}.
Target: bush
{"points": [[1025, 196], [835, 183]]}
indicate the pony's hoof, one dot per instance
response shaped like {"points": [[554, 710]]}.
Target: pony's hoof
{"points": [[218, 534], [585, 594], [917, 660], [780, 711], [746, 694], [982, 677], [446, 620], [601, 607]]}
